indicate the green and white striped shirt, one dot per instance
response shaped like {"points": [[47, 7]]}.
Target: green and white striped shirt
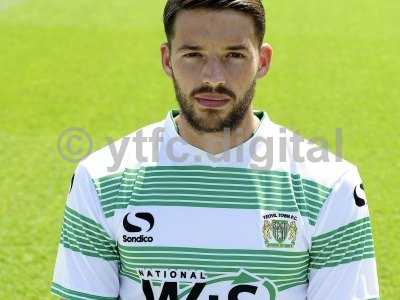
{"points": [[254, 222]]}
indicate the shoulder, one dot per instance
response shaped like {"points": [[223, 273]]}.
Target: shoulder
{"points": [[122, 154], [317, 175], [308, 159]]}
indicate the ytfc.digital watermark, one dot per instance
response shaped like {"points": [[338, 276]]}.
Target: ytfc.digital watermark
{"points": [[260, 151]]}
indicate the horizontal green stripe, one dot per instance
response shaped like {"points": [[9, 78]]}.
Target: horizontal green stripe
{"points": [[212, 184], [201, 204], [278, 276], [344, 246], [130, 275], [82, 237], [208, 178], [208, 263], [81, 234], [109, 183], [201, 190], [353, 226], [353, 250], [286, 286], [69, 294], [195, 169], [203, 195], [216, 251], [173, 172], [211, 256], [344, 261], [282, 268], [82, 222], [335, 254], [106, 180], [313, 195], [87, 249], [316, 185], [197, 186], [347, 239], [310, 209], [216, 268], [348, 243], [357, 229], [83, 228], [127, 173]]}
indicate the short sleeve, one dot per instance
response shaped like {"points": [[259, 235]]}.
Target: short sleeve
{"points": [[87, 260], [342, 256]]}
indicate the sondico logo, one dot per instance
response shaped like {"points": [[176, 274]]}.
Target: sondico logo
{"points": [[129, 227], [359, 195]]}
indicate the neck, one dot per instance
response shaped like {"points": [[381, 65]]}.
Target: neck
{"points": [[218, 142]]}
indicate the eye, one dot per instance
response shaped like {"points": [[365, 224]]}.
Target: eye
{"points": [[192, 54], [235, 55]]}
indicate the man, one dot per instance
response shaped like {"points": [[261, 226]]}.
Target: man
{"points": [[216, 201]]}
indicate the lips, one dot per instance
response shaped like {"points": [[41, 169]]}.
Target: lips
{"points": [[212, 100]]}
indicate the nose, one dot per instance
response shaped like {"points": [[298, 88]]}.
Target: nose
{"points": [[213, 73]]}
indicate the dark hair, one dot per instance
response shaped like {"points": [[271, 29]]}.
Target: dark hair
{"points": [[252, 8]]}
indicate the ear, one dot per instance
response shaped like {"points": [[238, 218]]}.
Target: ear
{"points": [[265, 60], [166, 59]]}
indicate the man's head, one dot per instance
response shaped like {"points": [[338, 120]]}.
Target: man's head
{"points": [[214, 55]]}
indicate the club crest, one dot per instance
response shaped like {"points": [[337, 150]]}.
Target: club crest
{"points": [[279, 230]]}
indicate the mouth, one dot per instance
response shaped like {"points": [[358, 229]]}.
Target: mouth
{"points": [[212, 100]]}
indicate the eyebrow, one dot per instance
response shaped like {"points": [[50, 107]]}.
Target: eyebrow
{"points": [[189, 47], [197, 48], [237, 47]]}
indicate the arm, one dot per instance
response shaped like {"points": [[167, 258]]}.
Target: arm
{"points": [[342, 264], [87, 258]]}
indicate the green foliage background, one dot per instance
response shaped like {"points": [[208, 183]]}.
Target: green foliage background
{"points": [[96, 65]]}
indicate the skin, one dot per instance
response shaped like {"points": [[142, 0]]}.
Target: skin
{"points": [[215, 71]]}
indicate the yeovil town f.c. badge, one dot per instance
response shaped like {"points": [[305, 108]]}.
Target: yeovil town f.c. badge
{"points": [[279, 232]]}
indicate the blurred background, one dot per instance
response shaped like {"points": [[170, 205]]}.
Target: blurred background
{"points": [[95, 65]]}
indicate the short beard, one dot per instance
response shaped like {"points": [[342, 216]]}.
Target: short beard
{"points": [[231, 121]]}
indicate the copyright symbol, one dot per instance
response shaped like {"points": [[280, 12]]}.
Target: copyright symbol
{"points": [[74, 144]]}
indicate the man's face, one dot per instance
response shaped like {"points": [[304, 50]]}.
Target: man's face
{"points": [[214, 63]]}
